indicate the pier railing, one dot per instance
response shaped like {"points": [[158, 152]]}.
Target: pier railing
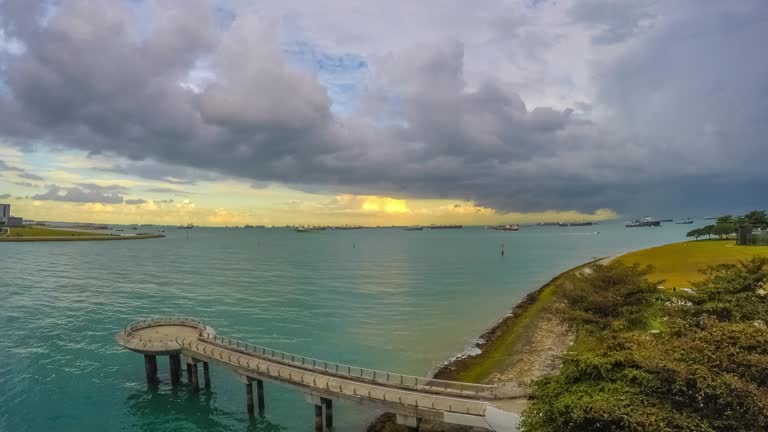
{"points": [[154, 322], [130, 337], [357, 373]]}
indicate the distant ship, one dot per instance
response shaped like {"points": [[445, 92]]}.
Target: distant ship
{"points": [[684, 222], [644, 222], [666, 220], [309, 229], [548, 224], [446, 227], [187, 226], [575, 224], [508, 227], [418, 228]]}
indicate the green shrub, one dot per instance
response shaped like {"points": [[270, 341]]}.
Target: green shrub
{"points": [[707, 372], [609, 295]]}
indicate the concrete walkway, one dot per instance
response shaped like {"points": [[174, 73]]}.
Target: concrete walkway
{"points": [[412, 398]]}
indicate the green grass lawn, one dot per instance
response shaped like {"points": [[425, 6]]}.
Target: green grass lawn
{"points": [[37, 231], [678, 264]]}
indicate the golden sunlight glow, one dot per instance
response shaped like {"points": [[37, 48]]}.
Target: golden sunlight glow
{"points": [[385, 204]]}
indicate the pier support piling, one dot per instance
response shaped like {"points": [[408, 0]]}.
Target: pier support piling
{"points": [[328, 413], [195, 383], [260, 396], [318, 418], [412, 424], [189, 373], [206, 375], [249, 397], [150, 367], [174, 361]]}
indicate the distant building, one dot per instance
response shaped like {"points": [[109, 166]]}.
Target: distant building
{"points": [[5, 213], [6, 219]]}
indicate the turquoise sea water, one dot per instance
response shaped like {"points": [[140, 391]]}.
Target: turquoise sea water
{"points": [[380, 298]]}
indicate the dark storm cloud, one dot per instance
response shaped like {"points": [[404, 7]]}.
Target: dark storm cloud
{"points": [[686, 107], [113, 188], [169, 190], [5, 167], [26, 184], [5, 196], [30, 176], [83, 193], [135, 201], [173, 174], [19, 173]]}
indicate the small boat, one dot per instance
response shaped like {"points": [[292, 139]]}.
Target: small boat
{"points": [[301, 230], [684, 222], [644, 222], [418, 228], [187, 226]]}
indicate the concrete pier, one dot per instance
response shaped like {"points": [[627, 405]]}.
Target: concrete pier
{"points": [[174, 363], [206, 375], [260, 396], [411, 398], [318, 418], [195, 383], [150, 368], [328, 404], [249, 397]]}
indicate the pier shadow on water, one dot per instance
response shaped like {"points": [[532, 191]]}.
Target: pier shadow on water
{"points": [[163, 408]]}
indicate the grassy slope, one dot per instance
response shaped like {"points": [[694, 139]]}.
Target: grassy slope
{"points": [[679, 263], [497, 353], [506, 338], [35, 231]]}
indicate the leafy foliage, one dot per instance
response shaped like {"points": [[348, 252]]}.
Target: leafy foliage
{"points": [[609, 295], [701, 232], [729, 225], [707, 372]]}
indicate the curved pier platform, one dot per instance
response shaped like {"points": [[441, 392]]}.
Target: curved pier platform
{"points": [[411, 398]]}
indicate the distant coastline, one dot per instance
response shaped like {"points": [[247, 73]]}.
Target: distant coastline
{"points": [[79, 238]]}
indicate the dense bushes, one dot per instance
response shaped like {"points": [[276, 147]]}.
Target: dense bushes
{"points": [[707, 371], [609, 295]]}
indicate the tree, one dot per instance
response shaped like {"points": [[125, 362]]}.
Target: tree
{"points": [[707, 231], [724, 229], [724, 219], [698, 232], [757, 218]]}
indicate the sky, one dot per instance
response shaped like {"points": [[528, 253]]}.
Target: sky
{"points": [[232, 112]]}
